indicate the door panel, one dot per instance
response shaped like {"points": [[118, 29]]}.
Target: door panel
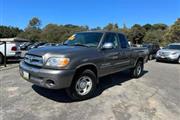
{"points": [[111, 56], [125, 51], [125, 57]]}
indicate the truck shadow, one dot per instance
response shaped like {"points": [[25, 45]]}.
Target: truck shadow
{"points": [[105, 83]]}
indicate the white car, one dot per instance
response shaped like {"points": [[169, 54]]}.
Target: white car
{"points": [[169, 53], [10, 50]]}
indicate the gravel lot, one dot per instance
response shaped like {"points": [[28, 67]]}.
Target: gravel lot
{"points": [[154, 96]]}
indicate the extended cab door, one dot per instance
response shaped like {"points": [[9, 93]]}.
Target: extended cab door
{"points": [[125, 52], [111, 56]]}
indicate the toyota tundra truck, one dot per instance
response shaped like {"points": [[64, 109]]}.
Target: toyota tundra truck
{"points": [[78, 63]]}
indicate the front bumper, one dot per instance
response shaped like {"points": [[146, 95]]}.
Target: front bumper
{"points": [[166, 58], [42, 77]]}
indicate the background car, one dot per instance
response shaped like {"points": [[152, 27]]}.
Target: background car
{"points": [[36, 45], [11, 48], [49, 44], [24, 46], [153, 48], [169, 53]]}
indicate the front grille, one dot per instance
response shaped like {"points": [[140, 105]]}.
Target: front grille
{"points": [[33, 60], [164, 53]]}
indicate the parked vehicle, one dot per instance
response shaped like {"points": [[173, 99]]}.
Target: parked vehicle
{"points": [[169, 53], [23, 49], [83, 58], [36, 45], [10, 51], [153, 48], [25, 45], [49, 44]]}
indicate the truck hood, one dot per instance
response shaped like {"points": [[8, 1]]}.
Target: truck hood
{"points": [[58, 50]]}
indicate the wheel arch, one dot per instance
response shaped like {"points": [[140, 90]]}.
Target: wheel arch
{"points": [[139, 59], [89, 66]]}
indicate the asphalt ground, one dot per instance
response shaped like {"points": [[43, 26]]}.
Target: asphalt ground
{"points": [[154, 96]]}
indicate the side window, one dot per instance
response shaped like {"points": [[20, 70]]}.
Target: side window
{"points": [[111, 38], [123, 41]]}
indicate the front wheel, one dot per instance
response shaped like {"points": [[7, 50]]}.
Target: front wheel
{"points": [[178, 60], [83, 85], [137, 71]]}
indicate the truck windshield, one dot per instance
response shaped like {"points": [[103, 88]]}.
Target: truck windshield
{"points": [[177, 47], [84, 39]]}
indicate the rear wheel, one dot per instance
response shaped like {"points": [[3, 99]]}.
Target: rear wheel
{"points": [[1, 58], [83, 85], [150, 57], [157, 60], [137, 71]]}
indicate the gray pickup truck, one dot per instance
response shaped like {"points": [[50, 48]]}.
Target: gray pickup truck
{"points": [[80, 61]]}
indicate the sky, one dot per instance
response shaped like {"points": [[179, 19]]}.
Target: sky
{"points": [[93, 13]]}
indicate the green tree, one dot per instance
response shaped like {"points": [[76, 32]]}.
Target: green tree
{"points": [[160, 26], [147, 27], [34, 23], [115, 27], [96, 28], [52, 33], [8, 32], [173, 33], [60, 33], [136, 34], [109, 27], [125, 30], [32, 31], [154, 36]]}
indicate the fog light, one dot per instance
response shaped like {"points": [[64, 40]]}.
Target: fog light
{"points": [[50, 83]]}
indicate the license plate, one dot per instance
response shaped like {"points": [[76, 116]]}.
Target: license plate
{"points": [[25, 75], [162, 57]]}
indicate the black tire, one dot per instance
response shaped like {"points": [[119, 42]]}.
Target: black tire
{"points": [[1, 58], [137, 71], [73, 93], [178, 61], [157, 60]]}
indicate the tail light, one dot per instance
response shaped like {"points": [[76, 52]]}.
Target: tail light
{"points": [[14, 48]]}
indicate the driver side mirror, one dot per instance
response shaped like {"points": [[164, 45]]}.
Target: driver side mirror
{"points": [[107, 46]]}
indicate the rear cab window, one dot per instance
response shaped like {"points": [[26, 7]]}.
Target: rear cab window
{"points": [[123, 41]]}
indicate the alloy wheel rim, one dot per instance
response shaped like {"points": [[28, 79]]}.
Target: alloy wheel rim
{"points": [[150, 57], [83, 85], [139, 70]]}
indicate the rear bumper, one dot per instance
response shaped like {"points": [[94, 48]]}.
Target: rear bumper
{"points": [[41, 77]]}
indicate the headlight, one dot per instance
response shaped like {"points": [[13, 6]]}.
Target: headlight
{"points": [[174, 53], [57, 62], [158, 52]]}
